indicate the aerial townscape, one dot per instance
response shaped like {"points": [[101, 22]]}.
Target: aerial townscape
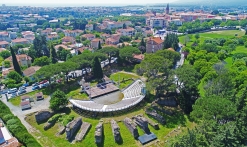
{"points": [[106, 74]]}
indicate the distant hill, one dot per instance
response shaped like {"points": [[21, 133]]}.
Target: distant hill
{"points": [[212, 2]]}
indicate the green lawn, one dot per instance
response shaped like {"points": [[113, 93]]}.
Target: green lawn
{"points": [[48, 138], [17, 100], [122, 76]]}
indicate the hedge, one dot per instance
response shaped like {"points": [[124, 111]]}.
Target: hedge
{"points": [[18, 130]]}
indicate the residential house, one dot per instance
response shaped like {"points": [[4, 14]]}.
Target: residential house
{"points": [[89, 27], [95, 43], [111, 41], [39, 96], [52, 37], [177, 22], [46, 32], [105, 36], [29, 72], [29, 35], [6, 139], [6, 72], [62, 46], [2, 49], [25, 105], [100, 28], [4, 36], [4, 44], [154, 44], [68, 40], [147, 33], [72, 33], [19, 41], [23, 60], [157, 22], [138, 58], [89, 36], [126, 32]]}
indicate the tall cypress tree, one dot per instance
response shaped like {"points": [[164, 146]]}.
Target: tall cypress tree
{"points": [[15, 62], [53, 54], [97, 70], [99, 45]]}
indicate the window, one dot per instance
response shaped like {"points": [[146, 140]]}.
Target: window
{"points": [[153, 46]]}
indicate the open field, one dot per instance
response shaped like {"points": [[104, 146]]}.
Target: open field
{"points": [[48, 138]]}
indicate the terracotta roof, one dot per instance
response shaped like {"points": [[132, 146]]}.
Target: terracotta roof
{"points": [[88, 35], [2, 49], [31, 70], [158, 40], [171, 49], [138, 41], [39, 94], [4, 33], [25, 97], [6, 72], [61, 45], [17, 40], [140, 56], [97, 40], [3, 43], [25, 103]]}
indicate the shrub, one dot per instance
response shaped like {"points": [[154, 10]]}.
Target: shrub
{"points": [[66, 119], [54, 118], [16, 128], [8, 117]]}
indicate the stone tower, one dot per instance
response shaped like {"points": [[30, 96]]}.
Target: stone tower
{"points": [[167, 9]]}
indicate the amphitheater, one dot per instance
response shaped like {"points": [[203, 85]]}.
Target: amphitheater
{"points": [[132, 95]]}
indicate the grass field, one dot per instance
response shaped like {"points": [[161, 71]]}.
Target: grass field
{"points": [[121, 76], [48, 138]]}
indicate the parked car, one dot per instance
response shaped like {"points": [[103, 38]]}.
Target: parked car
{"points": [[22, 87], [13, 95], [22, 91], [13, 90], [26, 84], [44, 85], [35, 87], [35, 84], [42, 82]]}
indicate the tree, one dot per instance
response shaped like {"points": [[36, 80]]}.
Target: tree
{"points": [[127, 52], [42, 61], [124, 26], [53, 54], [15, 76], [197, 36], [99, 45], [6, 64], [15, 62], [187, 81], [58, 100], [62, 53], [26, 79], [110, 51], [171, 41], [5, 54], [96, 69], [69, 56]]}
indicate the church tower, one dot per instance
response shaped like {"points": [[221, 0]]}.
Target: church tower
{"points": [[167, 9]]}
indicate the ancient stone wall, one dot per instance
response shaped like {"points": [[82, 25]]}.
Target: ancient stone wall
{"points": [[142, 122], [84, 129], [115, 130], [43, 115], [131, 126], [72, 127], [99, 133], [156, 116]]}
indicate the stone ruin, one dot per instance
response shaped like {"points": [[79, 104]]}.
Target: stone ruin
{"points": [[72, 127], [153, 124], [115, 130], [99, 133], [160, 109], [43, 115], [156, 116], [142, 123], [61, 130], [131, 126], [84, 129]]}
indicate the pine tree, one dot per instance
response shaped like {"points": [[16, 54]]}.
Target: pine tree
{"points": [[53, 54], [15, 62], [97, 70], [99, 45], [124, 26]]}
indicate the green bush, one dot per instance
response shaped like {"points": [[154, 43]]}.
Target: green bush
{"points": [[8, 117], [54, 118], [17, 129], [66, 119]]}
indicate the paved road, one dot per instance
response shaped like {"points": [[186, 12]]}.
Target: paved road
{"points": [[36, 106]]}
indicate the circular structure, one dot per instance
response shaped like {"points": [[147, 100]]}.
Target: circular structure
{"points": [[132, 95]]}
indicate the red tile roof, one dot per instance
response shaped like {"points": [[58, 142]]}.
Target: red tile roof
{"points": [[18, 40], [4, 43]]}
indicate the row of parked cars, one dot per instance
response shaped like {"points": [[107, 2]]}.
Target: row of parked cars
{"points": [[23, 89]]}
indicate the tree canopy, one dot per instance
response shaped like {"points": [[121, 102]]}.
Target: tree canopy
{"points": [[58, 100]]}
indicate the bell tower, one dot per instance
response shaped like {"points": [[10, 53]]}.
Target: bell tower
{"points": [[167, 9]]}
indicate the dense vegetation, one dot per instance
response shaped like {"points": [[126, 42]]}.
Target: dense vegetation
{"points": [[220, 108], [16, 128]]}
